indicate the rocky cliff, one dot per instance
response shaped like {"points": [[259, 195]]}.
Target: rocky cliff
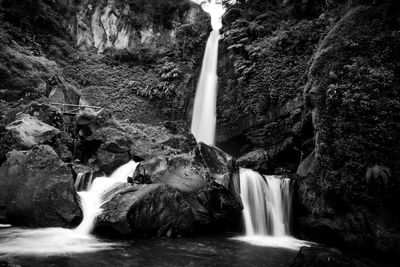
{"points": [[137, 58], [312, 88]]}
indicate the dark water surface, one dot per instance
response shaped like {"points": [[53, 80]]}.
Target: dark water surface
{"points": [[203, 251]]}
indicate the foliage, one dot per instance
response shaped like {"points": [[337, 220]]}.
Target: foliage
{"points": [[188, 40], [139, 55], [169, 73]]}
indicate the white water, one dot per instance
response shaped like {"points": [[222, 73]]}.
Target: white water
{"points": [[92, 200], [266, 210], [55, 241], [204, 109]]}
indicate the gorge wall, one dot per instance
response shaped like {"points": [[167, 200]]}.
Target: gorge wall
{"points": [[131, 57], [313, 88]]}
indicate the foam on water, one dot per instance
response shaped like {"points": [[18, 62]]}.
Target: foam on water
{"points": [[56, 241], [267, 210], [47, 241], [287, 242]]}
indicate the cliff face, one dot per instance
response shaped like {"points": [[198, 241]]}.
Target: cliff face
{"points": [[125, 24], [139, 59], [313, 88]]}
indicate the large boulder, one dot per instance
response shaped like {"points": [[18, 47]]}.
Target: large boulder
{"points": [[146, 210], [36, 189], [223, 167], [207, 178], [30, 131]]}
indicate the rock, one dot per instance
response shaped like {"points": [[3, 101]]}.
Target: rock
{"points": [[322, 256], [223, 167], [111, 143], [37, 189], [32, 131], [105, 24], [60, 91], [307, 166], [109, 161], [146, 210], [207, 178], [256, 160]]}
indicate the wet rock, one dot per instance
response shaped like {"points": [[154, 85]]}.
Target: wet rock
{"points": [[223, 167], [109, 161], [307, 166], [58, 90], [37, 190], [256, 160], [322, 256], [207, 178], [31, 131], [146, 210]]}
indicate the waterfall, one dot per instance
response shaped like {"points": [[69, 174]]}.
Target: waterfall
{"points": [[56, 241], [267, 207], [83, 181], [266, 203], [204, 110], [91, 200]]}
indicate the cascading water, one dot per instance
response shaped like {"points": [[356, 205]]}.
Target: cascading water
{"points": [[91, 200], [52, 241], [204, 109], [267, 202]]}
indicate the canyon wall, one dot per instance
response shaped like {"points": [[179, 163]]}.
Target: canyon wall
{"points": [[312, 88]]}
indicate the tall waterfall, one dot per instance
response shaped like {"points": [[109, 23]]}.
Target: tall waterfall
{"points": [[204, 110], [266, 203]]}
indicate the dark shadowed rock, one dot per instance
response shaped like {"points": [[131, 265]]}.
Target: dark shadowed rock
{"points": [[322, 256], [223, 167], [60, 91], [256, 160], [207, 178], [37, 190], [307, 165], [146, 210]]}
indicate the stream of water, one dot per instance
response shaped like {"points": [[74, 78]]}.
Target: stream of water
{"points": [[267, 208], [56, 241]]}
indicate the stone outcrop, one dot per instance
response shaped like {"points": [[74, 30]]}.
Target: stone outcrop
{"points": [[109, 143], [59, 91], [182, 193], [350, 182], [146, 210], [128, 24], [208, 179], [30, 131], [36, 189]]}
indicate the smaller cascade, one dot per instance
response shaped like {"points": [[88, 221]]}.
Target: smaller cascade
{"points": [[266, 203], [92, 199], [59, 241], [83, 181]]}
